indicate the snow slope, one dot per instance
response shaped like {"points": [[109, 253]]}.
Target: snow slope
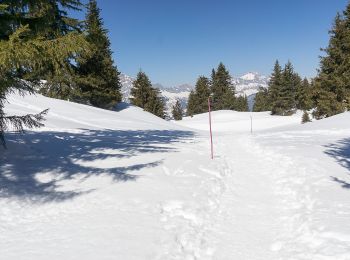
{"points": [[239, 122], [97, 184]]}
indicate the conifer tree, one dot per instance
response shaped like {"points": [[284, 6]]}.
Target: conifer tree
{"points": [[212, 79], [155, 104], [284, 93], [275, 87], [141, 90], [177, 111], [332, 85], [262, 101], [22, 50], [198, 98], [305, 118], [242, 104], [202, 92], [222, 89], [48, 19], [145, 96], [99, 78], [303, 96], [325, 102], [191, 104], [290, 82]]}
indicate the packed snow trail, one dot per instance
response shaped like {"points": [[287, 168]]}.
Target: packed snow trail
{"points": [[281, 198], [244, 208], [96, 184], [260, 205]]}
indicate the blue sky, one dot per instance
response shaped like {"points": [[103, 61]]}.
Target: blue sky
{"points": [[176, 41]]}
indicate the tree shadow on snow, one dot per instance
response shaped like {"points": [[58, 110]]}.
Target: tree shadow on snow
{"points": [[72, 155], [340, 151], [121, 106], [344, 184]]}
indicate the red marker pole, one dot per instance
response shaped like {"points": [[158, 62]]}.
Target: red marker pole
{"points": [[211, 134]]}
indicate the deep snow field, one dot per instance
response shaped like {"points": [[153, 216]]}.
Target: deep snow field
{"points": [[97, 184]]}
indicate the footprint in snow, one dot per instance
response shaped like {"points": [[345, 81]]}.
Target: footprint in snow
{"points": [[277, 246]]}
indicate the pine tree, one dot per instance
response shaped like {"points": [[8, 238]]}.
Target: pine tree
{"points": [[145, 96], [177, 111], [222, 89], [303, 96], [191, 104], [99, 78], [212, 79], [305, 118], [242, 104], [290, 82], [202, 92], [198, 98], [262, 102], [284, 93], [141, 90], [22, 50], [51, 17], [47, 19], [325, 102], [332, 85], [155, 104], [275, 87]]}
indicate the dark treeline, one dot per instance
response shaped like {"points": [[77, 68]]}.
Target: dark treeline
{"points": [[287, 92], [221, 90]]}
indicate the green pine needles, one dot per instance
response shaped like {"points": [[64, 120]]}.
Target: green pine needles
{"points": [[287, 92], [97, 77], [177, 111], [147, 97], [331, 94], [26, 51], [198, 99], [220, 89]]}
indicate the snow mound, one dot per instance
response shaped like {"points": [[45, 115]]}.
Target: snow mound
{"points": [[239, 122], [68, 115]]}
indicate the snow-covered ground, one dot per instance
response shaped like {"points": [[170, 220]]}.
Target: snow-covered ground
{"points": [[96, 184]]}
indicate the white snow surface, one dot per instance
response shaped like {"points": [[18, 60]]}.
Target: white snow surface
{"points": [[97, 184]]}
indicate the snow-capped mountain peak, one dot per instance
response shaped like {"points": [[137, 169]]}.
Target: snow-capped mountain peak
{"points": [[249, 83], [250, 76], [170, 95]]}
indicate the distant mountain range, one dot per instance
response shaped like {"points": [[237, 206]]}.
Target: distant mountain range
{"points": [[248, 85], [170, 94]]}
